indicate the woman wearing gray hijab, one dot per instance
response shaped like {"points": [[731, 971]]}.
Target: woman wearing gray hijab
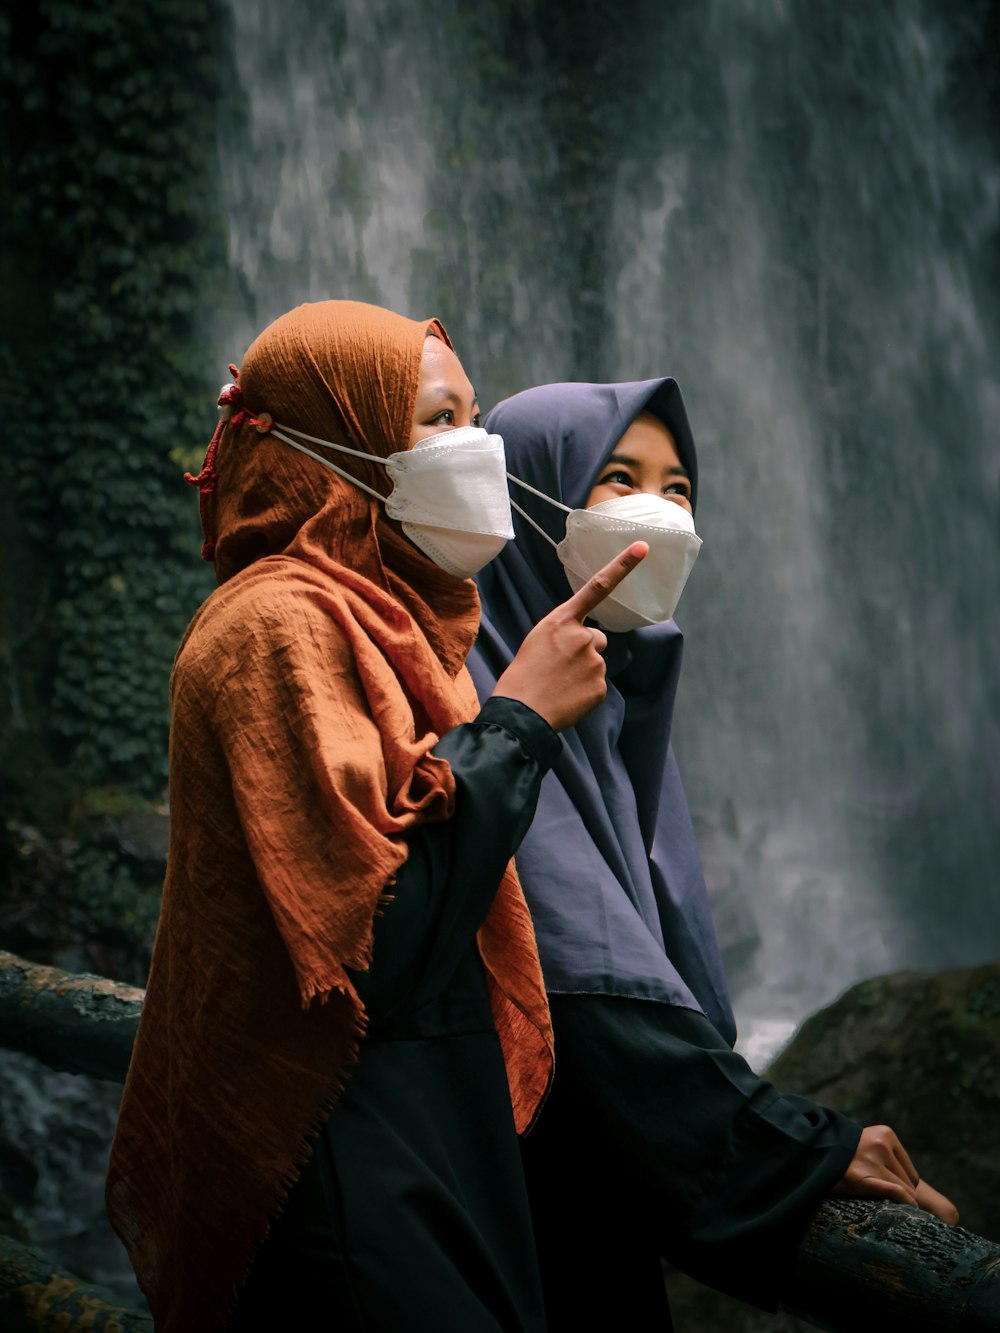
{"points": [[657, 1139]]}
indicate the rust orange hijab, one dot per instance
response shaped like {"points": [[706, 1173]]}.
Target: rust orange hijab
{"points": [[307, 695]]}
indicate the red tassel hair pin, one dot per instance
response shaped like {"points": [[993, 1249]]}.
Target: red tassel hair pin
{"points": [[230, 404]]}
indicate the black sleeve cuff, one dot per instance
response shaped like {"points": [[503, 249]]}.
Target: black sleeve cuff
{"points": [[537, 738]]}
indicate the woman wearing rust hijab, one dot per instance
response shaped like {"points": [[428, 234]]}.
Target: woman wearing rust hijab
{"points": [[345, 1025]]}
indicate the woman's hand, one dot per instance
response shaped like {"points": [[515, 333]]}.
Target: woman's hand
{"points": [[881, 1169], [559, 670]]}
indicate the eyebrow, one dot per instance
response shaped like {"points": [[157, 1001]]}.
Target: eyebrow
{"points": [[675, 470], [438, 391]]}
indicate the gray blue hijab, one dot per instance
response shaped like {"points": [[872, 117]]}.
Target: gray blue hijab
{"points": [[610, 866]]}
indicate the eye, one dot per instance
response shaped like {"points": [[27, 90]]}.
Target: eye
{"points": [[617, 477], [445, 418], [477, 419], [678, 488]]}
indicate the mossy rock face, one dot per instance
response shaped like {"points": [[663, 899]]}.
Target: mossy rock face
{"points": [[919, 1052], [113, 248], [84, 897]]}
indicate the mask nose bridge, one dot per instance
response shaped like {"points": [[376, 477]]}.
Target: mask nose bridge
{"points": [[656, 489]]}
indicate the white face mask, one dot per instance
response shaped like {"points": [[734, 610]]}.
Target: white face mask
{"points": [[649, 595], [449, 493]]}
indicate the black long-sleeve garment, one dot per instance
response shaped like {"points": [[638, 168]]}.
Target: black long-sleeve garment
{"points": [[659, 1140], [411, 1215]]}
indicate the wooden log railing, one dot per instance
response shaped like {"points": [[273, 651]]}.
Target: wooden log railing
{"points": [[75, 1023], [864, 1266], [869, 1266], [36, 1296]]}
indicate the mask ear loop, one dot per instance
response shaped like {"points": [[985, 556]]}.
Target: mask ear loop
{"points": [[278, 429], [542, 496]]}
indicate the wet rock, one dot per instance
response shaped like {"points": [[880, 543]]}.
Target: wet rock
{"points": [[55, 1134], [920, 1052], [144, 836]]}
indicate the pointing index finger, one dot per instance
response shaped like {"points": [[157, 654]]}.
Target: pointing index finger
{"points": [[604, 582]]}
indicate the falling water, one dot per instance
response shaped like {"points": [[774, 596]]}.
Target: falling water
{"points": [[391, 154], [813, 269]]}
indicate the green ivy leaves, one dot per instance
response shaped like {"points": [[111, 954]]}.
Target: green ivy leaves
{"points": [[114, 253]]}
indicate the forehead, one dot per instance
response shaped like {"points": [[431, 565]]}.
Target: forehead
{"points": [[440, 368], [650, 443]]}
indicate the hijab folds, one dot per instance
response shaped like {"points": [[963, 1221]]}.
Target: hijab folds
{"points": [[610, 866], [307, 697]]}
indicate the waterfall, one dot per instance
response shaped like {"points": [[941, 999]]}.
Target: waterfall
{"points": [[794, 209], [813, 264], [392, 154]]}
